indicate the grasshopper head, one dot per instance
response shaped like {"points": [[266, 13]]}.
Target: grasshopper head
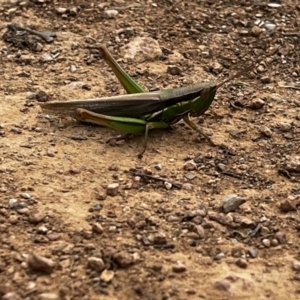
{"points": [[201, 104]]}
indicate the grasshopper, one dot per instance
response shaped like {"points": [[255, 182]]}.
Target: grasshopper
{"points": [[140, 111]]}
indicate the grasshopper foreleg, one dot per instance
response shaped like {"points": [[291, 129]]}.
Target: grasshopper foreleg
{"points": [[192, 125]]}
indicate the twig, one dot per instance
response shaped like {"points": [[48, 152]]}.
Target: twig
{"points": [[290, 87], [48, 36], [176, 185]]}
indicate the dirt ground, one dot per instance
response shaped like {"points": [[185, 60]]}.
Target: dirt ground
{"points": [[75, 220]]}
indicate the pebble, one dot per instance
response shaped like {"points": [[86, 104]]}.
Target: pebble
{"points": [[296, 265], [110, 13], [256, 31], [260, 69], [158, 167], [288, 205], [41, 264], [97, 228], [223, 285], [96, 264], [200, 231], [61, 10], [188, 186], [219, 256], [11, 296], [190, 165], [36, 217], [266, 243], [22, 210], [107, 275], [54, 236], [173, 70], [253, 252], [12, 203], [123, 259], [266, 79], [284, 126], [13, 219], [242, 263], [179, 267], [159, 239], [232, 202], [256, 103], [73, 68], [42, 230], [168, 185], [25, 196], [281, 237], [46, 57], [112, 189], [266, 131], [48, 296]]}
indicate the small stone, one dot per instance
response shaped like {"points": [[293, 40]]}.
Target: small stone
{"points": [[266, 243], [284, 126], [260, 69], [158, 167], [107, 275], [256, 31], [110, 13], [168, 185], [74, 171], [223, 285], [42, 230], [256, 103], [112, 189], [266, 131], [281, 237], [46, 57], [13, 219], [179, 267], [290, 204], [41, 264], [172, 219], [242, 263], [73, 68], [293, 164], [11, 296], [36, 217], [124, 260], [200, 231], [187, 186], [266, 79], [190, 165], [159, 239], [97, 228], [48, 296], [41, 96], [22, 210], [296, 265], [54, 236], [50, 152], [96, 264], [173, 70], [73, 11], [12, 203], [219, 256], [25, 196], [61, 10], [274, 243], [232, 202]]}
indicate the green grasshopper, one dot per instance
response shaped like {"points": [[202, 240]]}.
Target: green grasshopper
{"points": [[140, 111]]}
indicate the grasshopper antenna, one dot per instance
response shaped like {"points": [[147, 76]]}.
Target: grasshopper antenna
{"points": [[238, 73]]}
